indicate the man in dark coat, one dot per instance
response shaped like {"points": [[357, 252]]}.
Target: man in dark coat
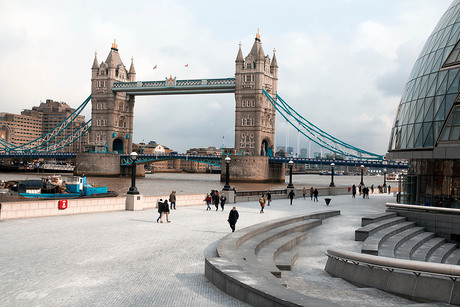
{"points": [[291, 195], [353, 191], [232, 218], [223, 200]]}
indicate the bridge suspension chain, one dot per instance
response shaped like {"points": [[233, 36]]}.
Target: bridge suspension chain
{"points": [[50, 135], [317, 135]]}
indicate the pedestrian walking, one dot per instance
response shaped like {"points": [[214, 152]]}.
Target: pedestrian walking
{"points": [[262, 203], [223, 200], [233, 218], [160, 208], [315, 195], [372, 188], [216, 200], [311, 193], [389, 189], [269, 198], [172, 200], [353, 191], [208, 200], [165, 211], [304, 192], [291, 196], [360, 188]]}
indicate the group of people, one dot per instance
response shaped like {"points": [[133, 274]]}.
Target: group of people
{"points": [[364, 190], [215, 199], [163, 207]]}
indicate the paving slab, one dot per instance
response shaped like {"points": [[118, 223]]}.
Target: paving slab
{"points": [[125, 258]]}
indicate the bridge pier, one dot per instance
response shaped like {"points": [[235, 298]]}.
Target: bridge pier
{"points": [[103, 164], [253, 169]]}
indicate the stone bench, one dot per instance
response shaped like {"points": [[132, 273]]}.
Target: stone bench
{"points": [[389, 246], [238, 272], [405, 250], [372, 243], [424, 250], [377, 218], [440, 254], [362, 233], [454, 257]]}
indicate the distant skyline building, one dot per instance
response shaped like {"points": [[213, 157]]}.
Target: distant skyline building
{"points": [[33, 123], [426, 130]]}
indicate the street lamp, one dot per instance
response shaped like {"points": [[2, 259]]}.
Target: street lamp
{"points": [[362, 173], [227, 174], [332, 175], [133, 189], [384, 177], [290, 164]]}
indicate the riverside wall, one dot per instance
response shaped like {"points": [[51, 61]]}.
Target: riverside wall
{"points": [[41, 208]]}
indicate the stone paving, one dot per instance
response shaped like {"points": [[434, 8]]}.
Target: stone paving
{"points": [[127, 259]]}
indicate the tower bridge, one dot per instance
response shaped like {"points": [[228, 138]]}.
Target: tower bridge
{"points": [[255, 87]]}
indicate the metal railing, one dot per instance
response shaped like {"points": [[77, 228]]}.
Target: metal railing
{"points": [[391, 264], [264, 192]]}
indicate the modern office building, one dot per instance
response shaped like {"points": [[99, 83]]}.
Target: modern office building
{"points": [[426, 130], [20, 129]]}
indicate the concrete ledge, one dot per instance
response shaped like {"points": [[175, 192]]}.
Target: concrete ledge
{"points": [[372, 244], [433, 282], [377, 218], [236, 275], [363, 233]]}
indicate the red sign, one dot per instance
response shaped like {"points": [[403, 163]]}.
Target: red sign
{"points": [[63, 204]]}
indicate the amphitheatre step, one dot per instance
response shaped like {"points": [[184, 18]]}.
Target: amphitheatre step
{"points": [[405, 250], [377, 218], [286, 260], [362, 233], [269, 253], [388, 247], [454, 257], [372, 243], [272, 239], [440, 254], [423, 252]]}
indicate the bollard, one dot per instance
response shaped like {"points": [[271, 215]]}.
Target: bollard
{"points": [[327, 200]]}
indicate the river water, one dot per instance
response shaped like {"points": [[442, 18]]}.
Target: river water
{"points": [[184, 183]]}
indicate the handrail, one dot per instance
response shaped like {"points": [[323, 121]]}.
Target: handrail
{"points": [[423, 208], [416, 267]]}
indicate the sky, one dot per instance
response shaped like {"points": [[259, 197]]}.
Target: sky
{"points": [[342, 63]]}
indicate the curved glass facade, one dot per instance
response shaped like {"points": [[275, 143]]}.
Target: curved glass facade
{"points": [[429, 111]]}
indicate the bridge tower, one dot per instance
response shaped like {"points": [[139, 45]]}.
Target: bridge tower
{"points": [[254, 114], [112, 113]]}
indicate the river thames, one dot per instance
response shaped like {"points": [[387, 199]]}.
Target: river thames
{"points": [[184, 183]]}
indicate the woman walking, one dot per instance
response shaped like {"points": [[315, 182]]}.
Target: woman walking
{"points": [[207, 199], [262, 203], [165, 211]]}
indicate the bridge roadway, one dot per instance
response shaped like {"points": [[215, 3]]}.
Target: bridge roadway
{"points": [[125, 258], [215, 160]]}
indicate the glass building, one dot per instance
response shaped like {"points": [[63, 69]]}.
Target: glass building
{"points": [[426, 130]]}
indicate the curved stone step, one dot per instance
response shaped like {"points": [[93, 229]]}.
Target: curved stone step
{"points": [[363, 233], [405, 250], [423, 252], [377, 218], [440, 254], [454, 257], [372, 243], [388, 247]]}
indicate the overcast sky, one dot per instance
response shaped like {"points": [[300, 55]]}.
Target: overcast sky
{"points": [[342, 63]]}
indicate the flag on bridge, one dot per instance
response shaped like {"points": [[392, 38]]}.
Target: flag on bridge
{"points": [[155, 67]]}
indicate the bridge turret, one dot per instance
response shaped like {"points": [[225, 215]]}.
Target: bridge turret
{"points": [[254, 115], [132, 72], [112, 112]]}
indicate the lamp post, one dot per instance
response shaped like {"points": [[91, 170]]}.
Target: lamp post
{"points": [[227, 174], [133, 189], [362, 173], [332, 175], [384, 177], [290, 164]]}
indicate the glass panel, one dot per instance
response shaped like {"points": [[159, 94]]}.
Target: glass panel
{"points": [[429, 114], [418, 140], [423, 88], [410, 139], [429, 135], [453, 81], [437, 129], [441, 85], [445, 134], [455, 134], [456, 118], [431, 85], [449, 102]]}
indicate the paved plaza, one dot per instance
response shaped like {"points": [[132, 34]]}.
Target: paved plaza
{"points": [[127, 259]]}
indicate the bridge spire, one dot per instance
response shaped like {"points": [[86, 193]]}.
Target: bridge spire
{"points": [[239, 57], [95, 64], [132, 71]]}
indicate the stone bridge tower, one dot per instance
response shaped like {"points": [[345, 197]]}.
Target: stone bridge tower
{"points": [[112, 113], [254, 114]]}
